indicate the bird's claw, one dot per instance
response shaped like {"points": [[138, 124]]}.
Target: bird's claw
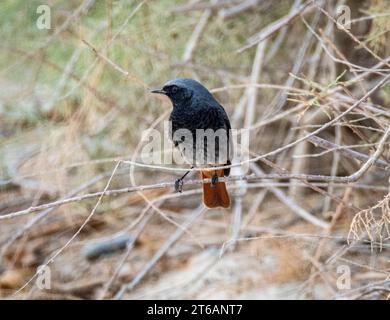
{"points": [[179, 185]]}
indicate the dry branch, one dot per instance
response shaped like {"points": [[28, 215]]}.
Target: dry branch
{"points": [[352, 154], [161, 252], [352, 178], [274, 27]]}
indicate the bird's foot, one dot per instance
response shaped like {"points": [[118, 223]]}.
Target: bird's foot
{"points": [[179, 185], [214, 180]]}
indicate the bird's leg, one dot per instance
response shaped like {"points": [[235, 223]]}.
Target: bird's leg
{"points": [[214, 179], [179, 182]]}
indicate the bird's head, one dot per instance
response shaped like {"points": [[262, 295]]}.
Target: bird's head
{"points": [[182, 90]]}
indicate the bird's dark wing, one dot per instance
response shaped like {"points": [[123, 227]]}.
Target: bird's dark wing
{"points": [[214, 116], [230, 141]]}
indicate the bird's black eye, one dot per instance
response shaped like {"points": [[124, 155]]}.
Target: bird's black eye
{"points": [[174, 89]]}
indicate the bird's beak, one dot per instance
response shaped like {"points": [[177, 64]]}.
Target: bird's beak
{"points": [[160, 91]]}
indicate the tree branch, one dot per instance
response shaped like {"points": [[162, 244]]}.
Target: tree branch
{"points": [[309, 177]]}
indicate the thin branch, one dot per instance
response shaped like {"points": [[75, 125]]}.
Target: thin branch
{"points": [[325, 144], [59, 251], [161, 252], [194, 39], [309, 177], [274, 27], [127, 74], [290, 203], [241, 7]]}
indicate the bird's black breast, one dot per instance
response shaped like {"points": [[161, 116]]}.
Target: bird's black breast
{"points": [[203, 117]]}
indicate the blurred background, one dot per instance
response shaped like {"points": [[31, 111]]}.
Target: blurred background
{"points": [[74, 100]]}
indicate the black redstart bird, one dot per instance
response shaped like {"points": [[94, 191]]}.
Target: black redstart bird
{"points": [[208, 143]]}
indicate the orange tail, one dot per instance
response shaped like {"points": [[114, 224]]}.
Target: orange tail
{"points": [[215, 195]]}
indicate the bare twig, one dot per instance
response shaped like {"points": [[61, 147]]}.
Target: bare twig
{"points": [[352, 178], [192, 42], [274, 27], [325, 144], [161, 252], [18, 233], [59, 251], [227, 13], [252, 91], [290, 203]]}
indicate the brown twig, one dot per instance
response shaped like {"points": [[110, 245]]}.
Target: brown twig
{"points": [[274, 27], [351, 178], [161, 252]]}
